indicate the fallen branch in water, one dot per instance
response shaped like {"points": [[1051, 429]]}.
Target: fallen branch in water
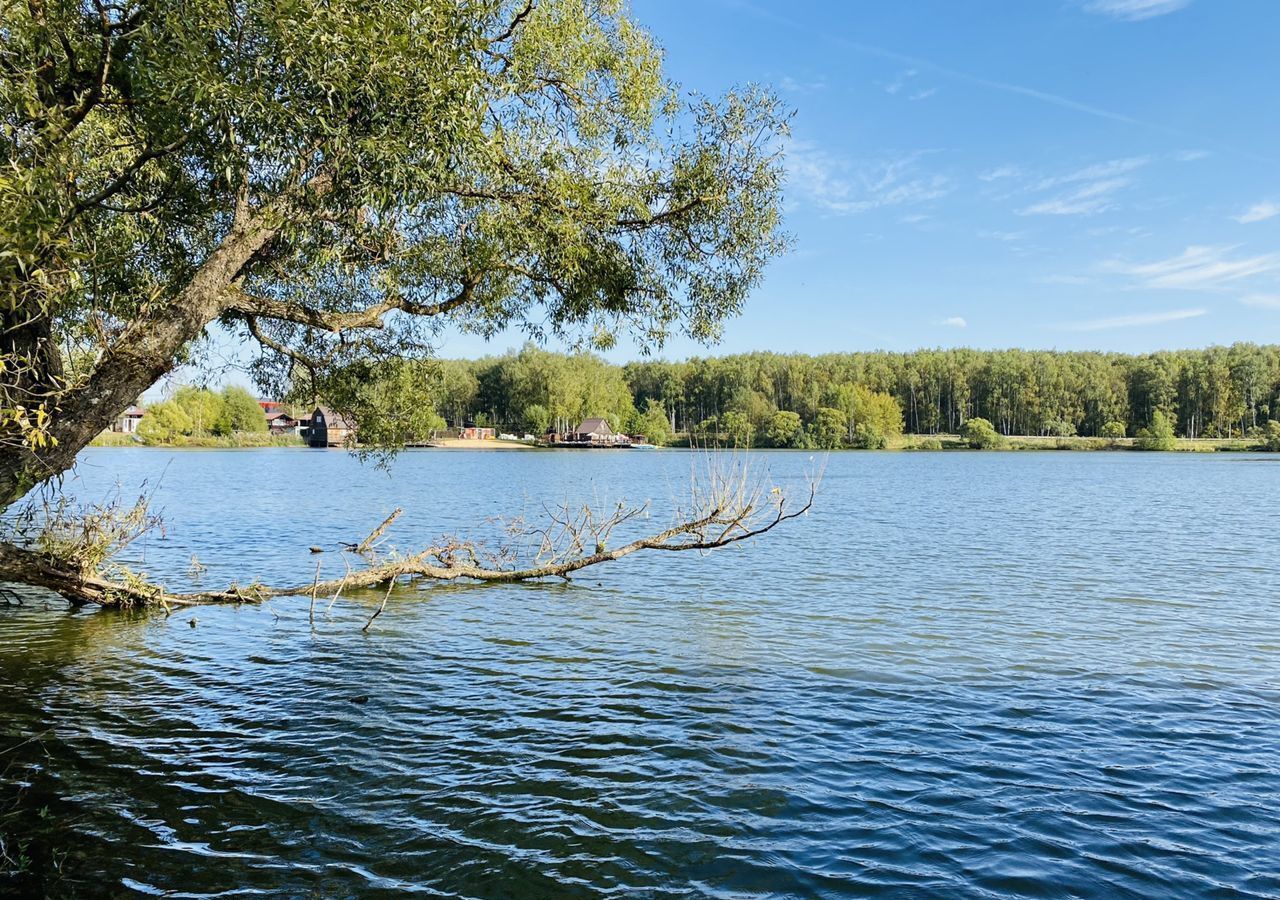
{"points": [[370, 543], [727, 505]]}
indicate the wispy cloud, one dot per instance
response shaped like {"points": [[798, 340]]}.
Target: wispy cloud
{"points": [[798, 86], [954, 322], [904, 80], [1107, 169], [1084, 200], [1135, 10], [846, 186], [1085, 191], [1136, 320], [1001, 172], [762, 12], [1262, 301], [1196, 269], [1259, 212], [1191, 155], [1070, 280], [900, 81], [1002, 235]]}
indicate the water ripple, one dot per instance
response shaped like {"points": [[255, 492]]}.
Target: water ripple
{"points": [[964, 675]]}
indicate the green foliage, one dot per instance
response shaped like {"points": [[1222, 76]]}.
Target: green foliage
{"points": [[878, 411], [1219, 390], [735, 399], [981, 435], [868, 437], [240, 413], [537, 419], [509, 164], [738, 429], [786, 430], [1158, 435], [652, 423], [1271, 436], [829, 429], [164, 422], [194, 413]]}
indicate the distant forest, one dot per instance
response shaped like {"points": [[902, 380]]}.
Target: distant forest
{"points": [[1215, 392]]}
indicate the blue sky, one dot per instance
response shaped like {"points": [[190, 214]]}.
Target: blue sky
{"points": [[1063, 174], [1070, 174]]}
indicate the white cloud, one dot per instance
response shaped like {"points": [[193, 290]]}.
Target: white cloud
{"points": [[1191, 155], [1135, 10], [1085, 200], [1086, 191], [954, 322], [1002, 235], [1197, 269], [796, 86], [1262, 301], [924, 95], [900, 81], [1133, 321], [1110, 168], [1072, 280], [1259, 212], [847, 186], [1001, 172]]}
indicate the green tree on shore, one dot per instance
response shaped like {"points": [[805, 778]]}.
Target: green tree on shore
{"points": [[240, 413], [981, 435], [1270, 436], [332, 180], [652, 423], [786, 430], [1159, 435], [829, 429]]}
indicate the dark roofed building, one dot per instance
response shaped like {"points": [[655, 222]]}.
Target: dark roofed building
{"points": [[594, 429], [328, 428], [280, 422], [596, 432]]}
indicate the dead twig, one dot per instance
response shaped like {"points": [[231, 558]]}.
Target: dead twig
{"points": [[728, 503], [381, 607], [369, 543]]}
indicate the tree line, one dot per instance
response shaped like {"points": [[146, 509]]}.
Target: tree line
{"points": [[863, 398]]}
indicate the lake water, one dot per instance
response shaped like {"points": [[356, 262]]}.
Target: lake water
{"points": [[962, 675]]}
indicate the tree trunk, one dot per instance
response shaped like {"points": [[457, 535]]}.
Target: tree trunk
{"points": [[147, 350]]}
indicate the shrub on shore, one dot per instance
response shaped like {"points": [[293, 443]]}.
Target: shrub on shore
{"points": [[981, 435], [1158, 435]]}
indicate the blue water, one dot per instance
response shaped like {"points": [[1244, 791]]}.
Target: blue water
{"points": [[962, 675]]}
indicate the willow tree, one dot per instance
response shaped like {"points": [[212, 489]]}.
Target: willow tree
{"points": [[337, 179]]}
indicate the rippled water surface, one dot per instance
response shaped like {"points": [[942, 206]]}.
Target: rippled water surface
{"points": [[963, 675]]}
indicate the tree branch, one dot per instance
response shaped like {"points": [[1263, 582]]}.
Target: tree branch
{"points": [[733, 507], [245, 305], [510, 30]]}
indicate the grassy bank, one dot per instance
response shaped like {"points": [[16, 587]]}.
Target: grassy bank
{"points": [[209, 441], [913, 442], [1034, 442], [936, 442]]}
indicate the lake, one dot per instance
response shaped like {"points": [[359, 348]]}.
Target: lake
{"points": [[963, 675]]}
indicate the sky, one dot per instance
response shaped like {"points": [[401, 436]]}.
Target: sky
{"points": [[1059, 174]]}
